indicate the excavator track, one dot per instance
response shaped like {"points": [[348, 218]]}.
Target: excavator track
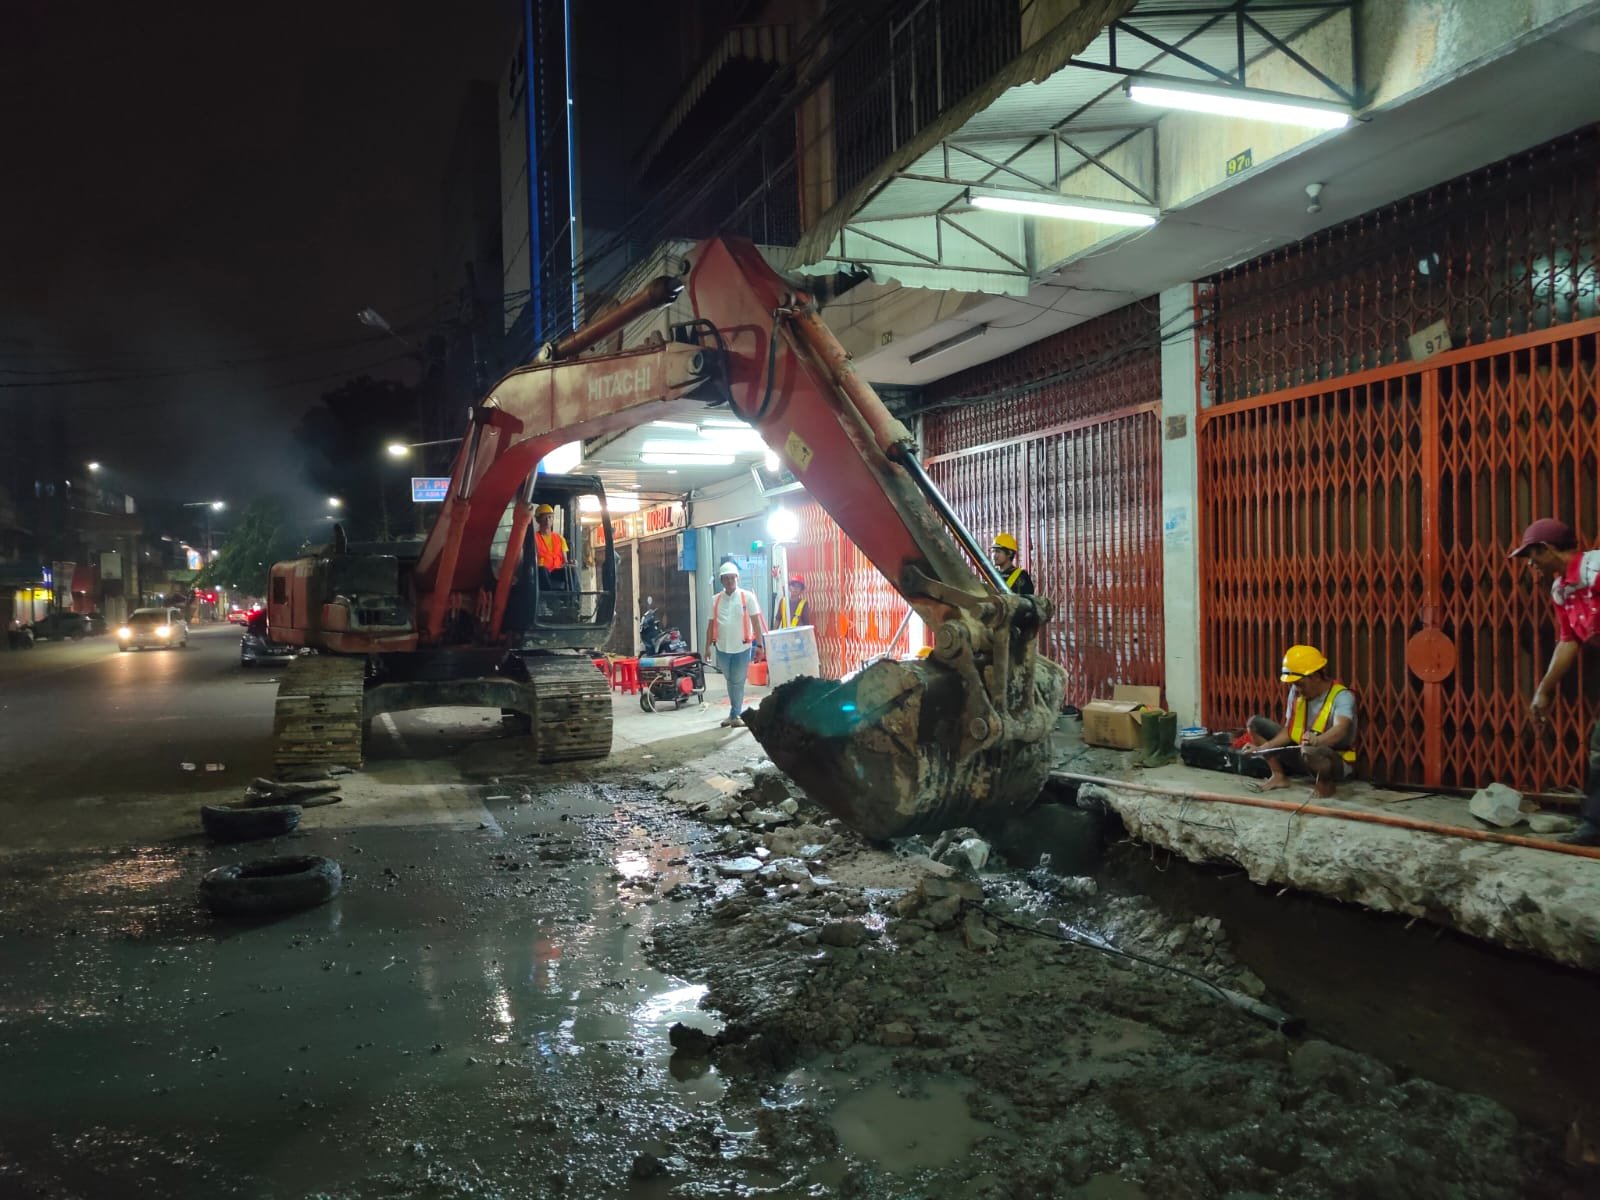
{"points": [[572, 702], [318, 719]]}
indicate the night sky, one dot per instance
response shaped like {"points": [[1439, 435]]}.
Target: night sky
{"points": [[188, 184]]}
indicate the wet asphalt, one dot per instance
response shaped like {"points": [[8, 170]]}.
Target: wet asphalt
{"points": [[471, 1015]]}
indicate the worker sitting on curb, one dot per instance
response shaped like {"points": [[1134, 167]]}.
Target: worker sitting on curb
{"points": [[1318, 736], [1004, 556], [1551, 548]]}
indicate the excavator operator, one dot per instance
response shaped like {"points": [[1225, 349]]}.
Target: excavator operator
{"points": [[551, 549]]}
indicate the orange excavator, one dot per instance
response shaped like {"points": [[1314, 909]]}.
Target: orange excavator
{"points": [[478, 616]]}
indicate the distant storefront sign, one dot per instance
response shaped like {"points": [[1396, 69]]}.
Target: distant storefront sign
{"points": [[425, 491]]}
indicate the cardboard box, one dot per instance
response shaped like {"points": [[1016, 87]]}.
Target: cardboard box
{"points": [[1114, 723]]}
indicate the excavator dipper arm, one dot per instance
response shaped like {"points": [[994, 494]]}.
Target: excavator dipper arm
{"points": [[899, 746]]}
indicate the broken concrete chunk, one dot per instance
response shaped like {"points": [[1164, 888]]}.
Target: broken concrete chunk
{"points": [[977, 935], [785, 870], [896, 1033], [1551, 823], [924, 865], [842, 933], [1497, 805], [789, 806], [744, 865], [764, 816], [938, 889]]}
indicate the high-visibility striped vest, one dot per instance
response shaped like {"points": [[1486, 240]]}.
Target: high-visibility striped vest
{"points": [[1011, 579], [552, 550], [785, 621], [1319, 723], [746, 599]]}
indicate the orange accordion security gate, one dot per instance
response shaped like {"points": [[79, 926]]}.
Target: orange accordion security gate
{"points": [[1084, 501], [1371, 515]]}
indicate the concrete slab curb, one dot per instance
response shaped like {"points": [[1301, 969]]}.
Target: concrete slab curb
{"points": [[1522, 898]]}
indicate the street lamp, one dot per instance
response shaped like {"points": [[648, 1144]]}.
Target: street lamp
{"points": [[335, 502], [210, 506], [94, 466]]}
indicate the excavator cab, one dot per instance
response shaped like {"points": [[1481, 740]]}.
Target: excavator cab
{"points": [[565, 594]]}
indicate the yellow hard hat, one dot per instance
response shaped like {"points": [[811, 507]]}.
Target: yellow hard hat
{"points": [[1300, 661], [543, 510], [1004, 541]]}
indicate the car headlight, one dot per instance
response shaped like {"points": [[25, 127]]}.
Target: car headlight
{"points": [[163, 630], [124, 633]]}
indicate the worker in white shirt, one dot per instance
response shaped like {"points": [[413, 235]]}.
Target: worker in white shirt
{"points": [[735, 629]]}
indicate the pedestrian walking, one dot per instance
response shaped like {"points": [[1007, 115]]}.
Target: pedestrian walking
{"points": [[1551, 548], [1004, 556], [735, 629]]}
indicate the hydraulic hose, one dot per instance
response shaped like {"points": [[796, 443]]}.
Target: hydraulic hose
{"points": [[1344, 814]]}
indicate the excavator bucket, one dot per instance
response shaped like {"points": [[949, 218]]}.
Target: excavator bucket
{"points": [[888, 750]]}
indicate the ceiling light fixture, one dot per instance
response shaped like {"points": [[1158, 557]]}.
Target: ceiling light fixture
{"points": [[651, 459], [949, 343], [687, 449], [724, 438], [1224, 100], [1064, 208]]}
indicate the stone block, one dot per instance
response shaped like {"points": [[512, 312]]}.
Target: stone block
{"points": [[1497, 805]]}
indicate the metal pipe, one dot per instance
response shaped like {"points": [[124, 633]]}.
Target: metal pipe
{"points": [[903, 456], [658, 293], [1345, 814]]}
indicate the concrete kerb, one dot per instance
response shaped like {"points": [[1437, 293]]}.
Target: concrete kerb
{"points": [[1514, 896]]}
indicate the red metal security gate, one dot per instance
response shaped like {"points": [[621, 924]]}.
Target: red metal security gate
{"points": [[859, 610], [1358, 513], [1084, 500]]}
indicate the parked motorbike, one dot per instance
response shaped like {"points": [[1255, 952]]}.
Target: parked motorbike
{"points": [[669, 673]]}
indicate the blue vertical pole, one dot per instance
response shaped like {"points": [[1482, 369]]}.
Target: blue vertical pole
{"points": [[531, 114], [574, 225]]}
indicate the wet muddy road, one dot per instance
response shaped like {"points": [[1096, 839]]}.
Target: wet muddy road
{"points": [[597, 988]]}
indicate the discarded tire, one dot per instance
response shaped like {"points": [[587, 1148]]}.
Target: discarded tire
{"points": [[272, 885], [248, 824]]}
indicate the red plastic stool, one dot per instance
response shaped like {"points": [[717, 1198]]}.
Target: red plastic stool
{"points": [[603, 665], [625, 675]]}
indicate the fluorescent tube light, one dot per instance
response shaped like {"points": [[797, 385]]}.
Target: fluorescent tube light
{"points": [[685, 425], [687, 460], [1065, 208], [949, 343], [1225, 101], [723, 437], [614, 503], [686, 448]]}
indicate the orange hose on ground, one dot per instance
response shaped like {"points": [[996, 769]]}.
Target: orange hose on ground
{"points": [[1346, 814]]}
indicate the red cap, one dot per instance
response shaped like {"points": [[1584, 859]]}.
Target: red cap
{"points": [[1546, 531], [800, 579]]}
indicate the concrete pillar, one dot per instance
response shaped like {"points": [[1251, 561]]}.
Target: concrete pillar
{"points": [[1180, 559]]}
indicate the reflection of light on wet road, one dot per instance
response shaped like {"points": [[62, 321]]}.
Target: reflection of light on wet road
{"points": [[632, 864], [679, 1004]]}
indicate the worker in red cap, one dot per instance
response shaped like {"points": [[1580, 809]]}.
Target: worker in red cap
{"points": [[1551, 549], [794, 610]]}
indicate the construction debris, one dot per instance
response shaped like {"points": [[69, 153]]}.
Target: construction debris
{"points": [[1497, 805]]}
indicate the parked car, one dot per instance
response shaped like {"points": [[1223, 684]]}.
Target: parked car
{"points": [[161, 628], [61, 626], [19, 636], [97, 623]]}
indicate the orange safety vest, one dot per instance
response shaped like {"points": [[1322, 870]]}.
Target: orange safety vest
{"points": [[1319, 723], [744, 611], [785, 621], [552, 550]]}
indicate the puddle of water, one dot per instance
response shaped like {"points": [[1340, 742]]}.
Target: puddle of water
{"points": [[908, 1127]]}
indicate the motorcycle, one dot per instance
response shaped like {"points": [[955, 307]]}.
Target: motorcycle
{"points": [[669, 672]]}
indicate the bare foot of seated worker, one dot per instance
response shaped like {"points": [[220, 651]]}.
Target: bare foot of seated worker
{"points": [[1326, 768], [1278, 782]]}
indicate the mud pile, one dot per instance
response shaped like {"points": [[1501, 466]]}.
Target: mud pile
{"points": [[911, 984]]}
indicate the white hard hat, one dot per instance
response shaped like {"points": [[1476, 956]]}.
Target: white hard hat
{"points": [[727, 569]]}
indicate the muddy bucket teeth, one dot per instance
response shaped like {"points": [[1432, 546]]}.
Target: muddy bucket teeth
{"points": [[880, 750]]}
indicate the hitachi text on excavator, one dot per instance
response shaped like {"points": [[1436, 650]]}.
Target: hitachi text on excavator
{"points": [[470, 616]]}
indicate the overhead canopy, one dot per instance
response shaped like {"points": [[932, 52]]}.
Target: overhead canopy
{"points": [[1075, 132]]}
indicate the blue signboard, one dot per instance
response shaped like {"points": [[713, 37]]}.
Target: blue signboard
{"points": [[434, 490]]}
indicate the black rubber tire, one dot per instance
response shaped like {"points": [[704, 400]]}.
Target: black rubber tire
{"points": [[647, 700], [288, 883], [226, 824]]}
